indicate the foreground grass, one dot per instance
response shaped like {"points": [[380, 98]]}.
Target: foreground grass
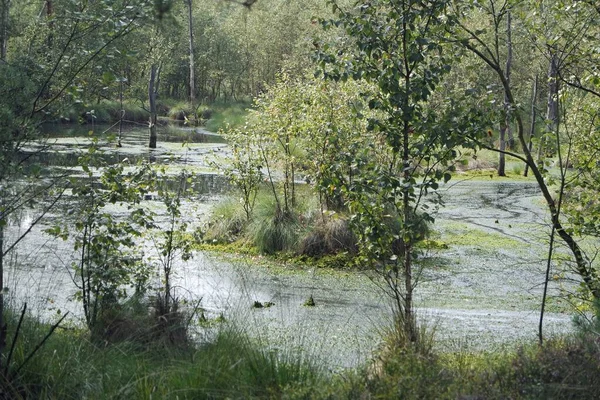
{"points": [[69, 366], [233, 366]]}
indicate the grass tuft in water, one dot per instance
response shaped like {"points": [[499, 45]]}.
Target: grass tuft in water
{"points": [[227, 222], [271, 229]]}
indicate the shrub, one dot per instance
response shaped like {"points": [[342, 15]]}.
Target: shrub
{"points": [[561, 368]]}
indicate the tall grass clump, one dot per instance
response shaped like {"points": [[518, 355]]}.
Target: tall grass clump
{"points": [[237, 365], [327, 236], [273, 229], [227, 222], [105, 111], [181, 111]]}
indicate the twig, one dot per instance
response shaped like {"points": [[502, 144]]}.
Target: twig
{"points": [[39, 346], [15, 338]]}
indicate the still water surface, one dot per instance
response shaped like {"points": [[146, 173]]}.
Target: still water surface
{"points": [[475, 295]]}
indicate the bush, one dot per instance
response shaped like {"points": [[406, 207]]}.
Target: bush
{"points": [[561, 368]]}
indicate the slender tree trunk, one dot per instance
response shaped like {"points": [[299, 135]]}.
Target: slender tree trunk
{"points": [[502, 148], [122, 113], [533, 118], [552, 108], [511, 138], [409, 321], [191, 55], [552, 102], [49, 14], [2, 322], [4, 27], [152, 92], [505, 125]]}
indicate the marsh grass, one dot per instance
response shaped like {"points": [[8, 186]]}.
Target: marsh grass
{"points": [[272, 229], [227, 222], [232, 365], [237, 364], [180, 111], [226, 114], [328, 237], [105, 111]]}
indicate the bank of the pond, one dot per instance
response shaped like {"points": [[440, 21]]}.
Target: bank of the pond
{"points": [[233, 365]]}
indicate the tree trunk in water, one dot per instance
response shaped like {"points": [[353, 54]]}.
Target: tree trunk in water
{"points": [[152, 91], [121, 113], [502, 148]]}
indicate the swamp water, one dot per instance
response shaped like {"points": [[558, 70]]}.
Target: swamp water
{"points": [[482, 291]]}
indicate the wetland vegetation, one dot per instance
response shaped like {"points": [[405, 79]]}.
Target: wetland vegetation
{"points": [[319, 199]]}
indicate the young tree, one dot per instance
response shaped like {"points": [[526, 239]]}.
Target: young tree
{"points": [[396, 45], [106, 264]]}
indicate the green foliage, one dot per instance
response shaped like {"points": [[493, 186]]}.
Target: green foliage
{"points": [[243, 167], [171, 242], [17, 130], [301, 128], [582, 200], [398, 47], [107, 262]]}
